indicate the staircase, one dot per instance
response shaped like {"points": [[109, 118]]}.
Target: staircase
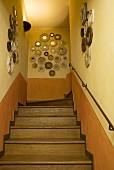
{"points": [[45, 137]]}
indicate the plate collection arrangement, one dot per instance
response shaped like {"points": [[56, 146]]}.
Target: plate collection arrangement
{"points": [[87, 19], [12, 44], [49, 54]]}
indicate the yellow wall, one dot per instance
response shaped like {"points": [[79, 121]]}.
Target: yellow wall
{"points": [[6, 8], [35, 36], [99, 76]]}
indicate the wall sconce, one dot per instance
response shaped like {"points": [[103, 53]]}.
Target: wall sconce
{"points": [[26, 25]]}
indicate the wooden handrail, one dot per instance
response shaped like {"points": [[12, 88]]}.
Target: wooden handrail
{"points": [[111, 126]]}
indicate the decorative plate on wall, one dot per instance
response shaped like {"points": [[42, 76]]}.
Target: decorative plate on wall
{"points": [[56, 67], [52, 73], [87, 57], [32, 59], [61, 50], [46, 53], [16, 41], [57, 36], [13, 47], [44, 37], [91, 17], [57, 59], [33, 48], [51, 34], [48, 65], [83, 14], [15, 27], [41, 60], [34, 65], [10, 64], [53, 43], [44, 47], [38, 52], [37, 43], [65, 58], [50, 57], [41, 68], [64, 64], [62, 42], [85, 28], [53, 50], [14, 12], [11, 20], [11, 35], [9, 44]]}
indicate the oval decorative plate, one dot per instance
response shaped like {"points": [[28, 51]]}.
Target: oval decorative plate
{"points": [[53, 50], [32, 59], [44, 37], [34, 65], [37, 43], [61, 50], [41, 68], [38, 52], [41, 60], [56, 67], [53, 43], [64, 64], [57, 36], [33, 48], [50, 57], [44, 47], [52, 73], [57, 59], [48, 65]]}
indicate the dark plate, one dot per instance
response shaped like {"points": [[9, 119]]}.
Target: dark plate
{"points": [[9, 45], [48, 65], [52, 73]]}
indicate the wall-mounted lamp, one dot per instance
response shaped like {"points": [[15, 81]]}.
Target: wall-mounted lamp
{"points": [[26, 25]]}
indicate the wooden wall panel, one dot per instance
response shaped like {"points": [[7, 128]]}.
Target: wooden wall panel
{"points": [[48, 88], [97, 141], [15, 94]]}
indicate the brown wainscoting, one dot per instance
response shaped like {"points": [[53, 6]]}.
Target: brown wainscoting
{"points": [[48, 88], [97, 141], [16, 93]]}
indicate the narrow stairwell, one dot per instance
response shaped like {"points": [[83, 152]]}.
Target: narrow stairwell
{"points": [[45, 137]]}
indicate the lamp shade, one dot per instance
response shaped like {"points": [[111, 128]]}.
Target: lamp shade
{"points": [[26, 25]]}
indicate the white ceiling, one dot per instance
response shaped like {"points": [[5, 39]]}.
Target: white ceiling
{"points": [[48, 13]]}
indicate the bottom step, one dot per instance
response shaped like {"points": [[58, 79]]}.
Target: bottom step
{"points": [[45, 163]]}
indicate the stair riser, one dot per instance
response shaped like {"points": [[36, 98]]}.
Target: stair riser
{"points": [[46, 167], [45, 133], [27, 111], [42, 121], [44, 149]]}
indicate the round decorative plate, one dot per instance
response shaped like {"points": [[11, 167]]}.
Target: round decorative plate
{"points": [[44, 47], [89, 36], [11, 20], [57, 36], [83, 45], [91, 17], [38, 52], [50, 57], [16, 41], [13, 46], [37, 43], [46, 53], [11, 35], [83, 14], [14, 12], [56, 67], [57, 59], [53, 43], [53, 50], [34, 65], [9, 44], [62, 42], [65, 58], [16, 55], [85, 27], [41, 60], [52, 73], [87, 57], [33, 48], [51, 34], [41, 68], [48, 65], [15, 27], [32, 59], [61, 50], [44, 37], [64, 64]]}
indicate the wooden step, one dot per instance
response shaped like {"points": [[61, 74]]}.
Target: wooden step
{"points": [[45, 132], [42, 121], [34, 111], [14, 162]]}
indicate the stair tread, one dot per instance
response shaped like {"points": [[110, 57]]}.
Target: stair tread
{"points": [[44, 160], [44, 127], [45, 141], [46, 107], [41, 115]]}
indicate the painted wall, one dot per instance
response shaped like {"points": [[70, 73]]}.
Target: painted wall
{"points": [[10, 85], [41, 81], [98, 76]]}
